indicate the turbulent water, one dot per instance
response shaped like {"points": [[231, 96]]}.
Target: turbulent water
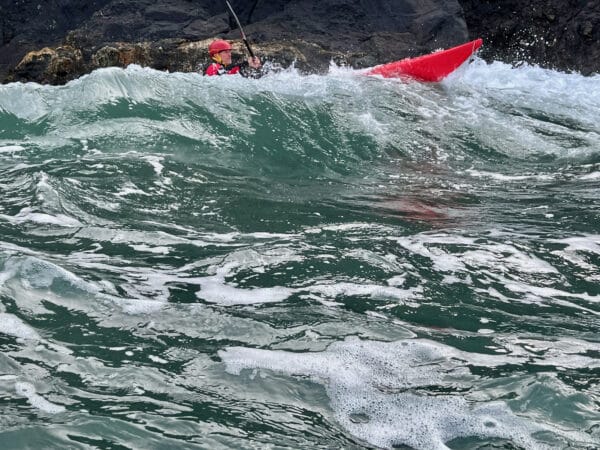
{"points": [[331, 261]]}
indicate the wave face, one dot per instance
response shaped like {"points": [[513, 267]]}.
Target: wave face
{"points": [[318, 261]]}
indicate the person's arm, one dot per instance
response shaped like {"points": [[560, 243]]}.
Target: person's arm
{"points": [[249, 68], [254, 62]]}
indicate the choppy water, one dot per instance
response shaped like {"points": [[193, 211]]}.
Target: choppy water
{"points": [[301, 261]]}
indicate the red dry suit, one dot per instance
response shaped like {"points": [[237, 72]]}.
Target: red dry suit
{"points": [[220, 69]]}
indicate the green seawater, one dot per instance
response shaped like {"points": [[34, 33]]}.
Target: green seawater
{"points": [[332, 261]]}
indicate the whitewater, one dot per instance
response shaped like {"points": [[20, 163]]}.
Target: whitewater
{"points": [[321, 261]]}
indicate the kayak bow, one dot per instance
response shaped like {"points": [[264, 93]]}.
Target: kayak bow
{"points": [[430, 68]]}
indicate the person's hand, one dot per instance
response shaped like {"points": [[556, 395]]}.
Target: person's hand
{"points": [[254, 62]]}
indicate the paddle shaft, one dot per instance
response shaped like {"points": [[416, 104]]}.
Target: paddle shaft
{"points": [[241, 29]]}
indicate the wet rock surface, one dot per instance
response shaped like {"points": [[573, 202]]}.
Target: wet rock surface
{"points": [[55, 41], [558, 34]]}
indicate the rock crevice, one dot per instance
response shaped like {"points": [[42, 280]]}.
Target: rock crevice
{"points": [[54, 42]]}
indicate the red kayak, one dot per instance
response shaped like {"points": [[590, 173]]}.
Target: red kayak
{"points": [[433, 67]]}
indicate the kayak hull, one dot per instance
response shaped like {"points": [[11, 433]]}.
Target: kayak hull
{"points": [[429, 68]]}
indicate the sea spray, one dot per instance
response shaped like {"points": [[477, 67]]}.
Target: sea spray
{"points": [[392, 264]]}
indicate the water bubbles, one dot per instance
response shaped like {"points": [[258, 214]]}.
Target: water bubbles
{"points": [[396, 264]]}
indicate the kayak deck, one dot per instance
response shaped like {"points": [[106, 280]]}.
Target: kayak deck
{"points": [[433, 67]]}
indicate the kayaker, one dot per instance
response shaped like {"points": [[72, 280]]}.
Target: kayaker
{"points": [[220, 53]]}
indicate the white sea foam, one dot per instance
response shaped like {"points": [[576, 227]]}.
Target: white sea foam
{"points": [[589, 243], [578, 250], [28, 391], [136, 306], [345, 227], [13, 326], [161, 250], [214, 290], [503, 177], [29, 215], [157, 359], [11, 148], [571, 353], [591, 176], [53, 209], [487, 255], [529, 110], [130, 189], [370, 290], [36, 273], [156, 163], [378, 391], [536, 87], [26, 101], [537, 294]]}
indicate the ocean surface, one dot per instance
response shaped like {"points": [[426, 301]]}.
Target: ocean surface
{"points": [[325, 261]]}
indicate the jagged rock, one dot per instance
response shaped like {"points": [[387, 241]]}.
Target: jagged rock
{"points": [[48, 65], [106, 57], [587, 29], [28, 26], [559, 34], [173, 34], [308, 33]]}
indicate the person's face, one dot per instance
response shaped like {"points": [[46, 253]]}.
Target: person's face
{"points": [[225, 57]]}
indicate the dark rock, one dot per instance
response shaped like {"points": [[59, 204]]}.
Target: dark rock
{"points": [[174, 34], [386, 29], [50, 65], [559, 34], [28, 26], [311, 34], [587, 29], [106, 57]]}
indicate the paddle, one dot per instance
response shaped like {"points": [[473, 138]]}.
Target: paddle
{"points": [[241, 29]]}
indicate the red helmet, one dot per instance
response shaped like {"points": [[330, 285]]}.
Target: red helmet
{"points": [[218, 46]]}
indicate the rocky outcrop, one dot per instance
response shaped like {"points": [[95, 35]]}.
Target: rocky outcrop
{"points": [[559, 34], [54, 65], [172, 34], [31, 26], [55, 41]]}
